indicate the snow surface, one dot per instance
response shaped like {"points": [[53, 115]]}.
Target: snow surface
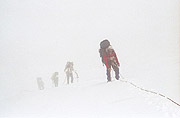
{"points": [[92, 99], [38, 37]]}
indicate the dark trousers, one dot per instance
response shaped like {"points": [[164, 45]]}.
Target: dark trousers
{"points": [[56, 82], [116, 69], [40, 85], [69, 75]]}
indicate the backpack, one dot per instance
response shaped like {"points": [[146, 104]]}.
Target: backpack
{"points": [[102, 51], [69, 66]]}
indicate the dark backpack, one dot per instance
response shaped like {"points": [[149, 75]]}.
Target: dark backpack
{"points": [[102, 51], [69, 65]]}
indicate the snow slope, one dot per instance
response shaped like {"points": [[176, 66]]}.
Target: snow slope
{"points": [[92, 99], [38, 37]]}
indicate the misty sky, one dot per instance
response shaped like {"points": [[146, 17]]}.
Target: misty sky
{"points": [[37, 37]]}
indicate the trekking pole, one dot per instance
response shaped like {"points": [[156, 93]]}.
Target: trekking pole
{"points": [[76, 76]]}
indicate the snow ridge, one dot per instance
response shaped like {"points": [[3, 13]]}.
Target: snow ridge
{"points": [[149, 91]]}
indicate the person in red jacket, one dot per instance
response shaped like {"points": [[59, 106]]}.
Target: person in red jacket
{"points": [[111, 60]]}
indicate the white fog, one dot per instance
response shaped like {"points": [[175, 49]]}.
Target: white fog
{"points": [[38, 37]]}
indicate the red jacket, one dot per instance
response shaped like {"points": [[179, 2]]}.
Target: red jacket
{"points": [[107, 58]]}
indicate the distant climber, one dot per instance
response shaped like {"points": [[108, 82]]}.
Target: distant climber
{"points": [[69, 69], [55, 79], [40, 83]]}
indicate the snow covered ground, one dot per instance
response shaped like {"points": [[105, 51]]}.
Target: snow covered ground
{"points": [[38, 37], [93, 99]]}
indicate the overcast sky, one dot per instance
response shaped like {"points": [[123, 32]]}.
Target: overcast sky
{"points": [[37, 37]]}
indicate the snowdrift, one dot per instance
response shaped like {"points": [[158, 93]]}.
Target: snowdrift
{"points": [[89, 99]]}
